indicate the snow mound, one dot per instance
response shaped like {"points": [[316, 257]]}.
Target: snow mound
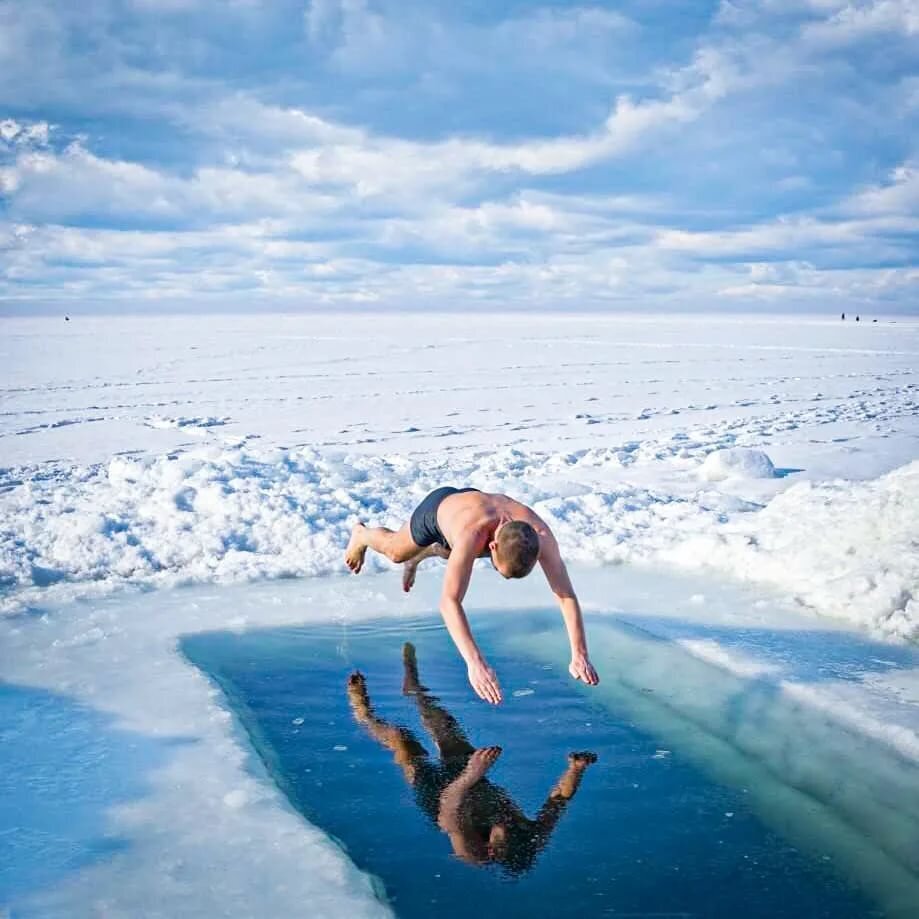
{"points": [[845, 549], [165, 423], [231, 514], [736, 463]]}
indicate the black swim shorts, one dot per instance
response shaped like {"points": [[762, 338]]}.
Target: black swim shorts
{"points": [[423, 525]]}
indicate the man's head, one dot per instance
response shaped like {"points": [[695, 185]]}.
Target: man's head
{"points": [[515, 549]]}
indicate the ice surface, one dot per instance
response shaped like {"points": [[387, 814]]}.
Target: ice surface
{"points": [[208, 834], [221, 450], [604, 424], [63, 767], [193, 828]]}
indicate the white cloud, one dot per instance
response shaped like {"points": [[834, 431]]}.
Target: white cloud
{"points": [[376, 165], [859, 288], [24, 134], [529, 226], [856, 21], [900, 195], [257, 264], [168, 5], [877, 222], [360, 37], [860, 239], [9, 129], [74, 184], [328, 155]]}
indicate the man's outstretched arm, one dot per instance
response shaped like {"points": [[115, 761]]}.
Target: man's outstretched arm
{"points": [[560, 584], [456, 580]]}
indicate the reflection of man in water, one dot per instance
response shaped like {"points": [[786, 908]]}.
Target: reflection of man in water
{"points": [[483, 823]]}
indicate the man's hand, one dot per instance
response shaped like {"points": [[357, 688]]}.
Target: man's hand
{"points": [[484, 681], [582, 669]]}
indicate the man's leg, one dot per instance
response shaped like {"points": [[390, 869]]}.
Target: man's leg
{"points": [[404, 745], [444, 729], [411, 566], [396, 545]]}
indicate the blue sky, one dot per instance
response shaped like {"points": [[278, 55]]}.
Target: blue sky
{"points": [[282, 154]]}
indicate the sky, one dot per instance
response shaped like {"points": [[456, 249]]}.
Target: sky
{"points": [[751, 155]]}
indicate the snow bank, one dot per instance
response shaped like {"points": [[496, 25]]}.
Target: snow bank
{"points": [[736, 463], [211, 514], [848, 549], [196, 424], [235, 514]]}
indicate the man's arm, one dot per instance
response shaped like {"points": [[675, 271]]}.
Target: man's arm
{"points": [[560, 584], [456, 580], [466, 845]]}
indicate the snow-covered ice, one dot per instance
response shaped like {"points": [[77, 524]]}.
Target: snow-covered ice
{"points": [[756, 448], [759, 472]]}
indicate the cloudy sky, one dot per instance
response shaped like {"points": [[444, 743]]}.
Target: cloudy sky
{"points": [[647, 154]]}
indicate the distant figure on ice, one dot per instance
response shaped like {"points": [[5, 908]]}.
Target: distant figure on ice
{"points": [[482, 821], [856, 318], [843, 315], [461, 525]]}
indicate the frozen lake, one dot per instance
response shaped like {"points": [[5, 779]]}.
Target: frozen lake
{"points": [[738, 499], [168, 450], [815, 388]]}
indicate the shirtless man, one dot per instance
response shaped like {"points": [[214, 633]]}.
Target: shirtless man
{"points": [[461, 525]]}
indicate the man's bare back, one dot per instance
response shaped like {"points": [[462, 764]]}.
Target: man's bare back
{"points": [[476, 515], [462, 525]]}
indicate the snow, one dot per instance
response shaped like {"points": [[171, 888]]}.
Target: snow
{"points": [[231, 514], [848, 549], [647, 441], [736, 463], [758, 472]]}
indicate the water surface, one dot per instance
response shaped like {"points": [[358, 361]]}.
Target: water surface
{"points": [[386, 766]]}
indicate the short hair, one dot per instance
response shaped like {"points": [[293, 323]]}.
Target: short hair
{"points": [[518, 548]]}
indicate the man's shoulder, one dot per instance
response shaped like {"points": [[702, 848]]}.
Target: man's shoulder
{"points": [[470, 529]]}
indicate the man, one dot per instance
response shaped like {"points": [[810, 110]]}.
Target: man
{"points": [[461, 525]]}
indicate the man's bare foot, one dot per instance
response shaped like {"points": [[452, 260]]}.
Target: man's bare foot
{"points": [[357, 693], [480, 762], [408, 575], [582, 759], [410, 682], [357, 548]]}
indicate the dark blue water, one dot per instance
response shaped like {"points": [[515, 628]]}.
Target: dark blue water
{"points": [[640, 831]]}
